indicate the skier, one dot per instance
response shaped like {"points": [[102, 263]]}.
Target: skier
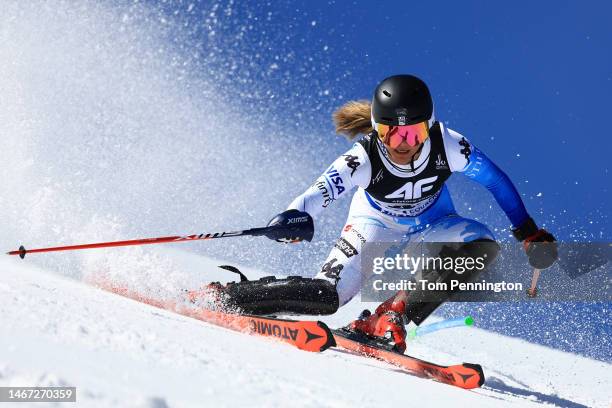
{"points": [[399, 168]]}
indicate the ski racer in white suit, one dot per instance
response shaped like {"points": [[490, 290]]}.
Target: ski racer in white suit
{"points": [[399, 169], [430, 216]]}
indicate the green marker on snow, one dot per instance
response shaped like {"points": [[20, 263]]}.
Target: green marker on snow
{"points": [[444, 324]]}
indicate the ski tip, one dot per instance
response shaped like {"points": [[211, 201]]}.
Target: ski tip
{"points": [[477, 368]]}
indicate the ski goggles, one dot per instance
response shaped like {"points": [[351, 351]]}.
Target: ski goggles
{"points": [[394, 135]]}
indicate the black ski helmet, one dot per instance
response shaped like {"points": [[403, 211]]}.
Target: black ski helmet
{"points": [[401, 100]]}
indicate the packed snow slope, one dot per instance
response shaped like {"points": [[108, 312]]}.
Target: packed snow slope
{"points": [[118, 352]]}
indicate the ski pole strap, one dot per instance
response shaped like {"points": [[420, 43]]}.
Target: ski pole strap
{"points": [[444, 324]]}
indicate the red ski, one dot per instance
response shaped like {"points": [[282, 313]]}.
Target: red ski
{"points": [[464, 375], [306, 335]]}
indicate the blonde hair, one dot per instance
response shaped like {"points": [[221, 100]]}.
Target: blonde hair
{"points": [[353, 118]]}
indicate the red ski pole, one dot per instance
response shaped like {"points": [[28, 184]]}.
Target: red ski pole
{"points": [[22, 251], [294, 224]]}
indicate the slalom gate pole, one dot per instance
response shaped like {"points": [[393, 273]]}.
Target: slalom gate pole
{"points": [[444, 324]]}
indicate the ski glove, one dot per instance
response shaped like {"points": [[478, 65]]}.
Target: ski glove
{"points": [[539, 244], [291, 226]]}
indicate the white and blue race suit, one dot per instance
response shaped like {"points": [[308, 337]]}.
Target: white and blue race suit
{"points": [[403, 203]]}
